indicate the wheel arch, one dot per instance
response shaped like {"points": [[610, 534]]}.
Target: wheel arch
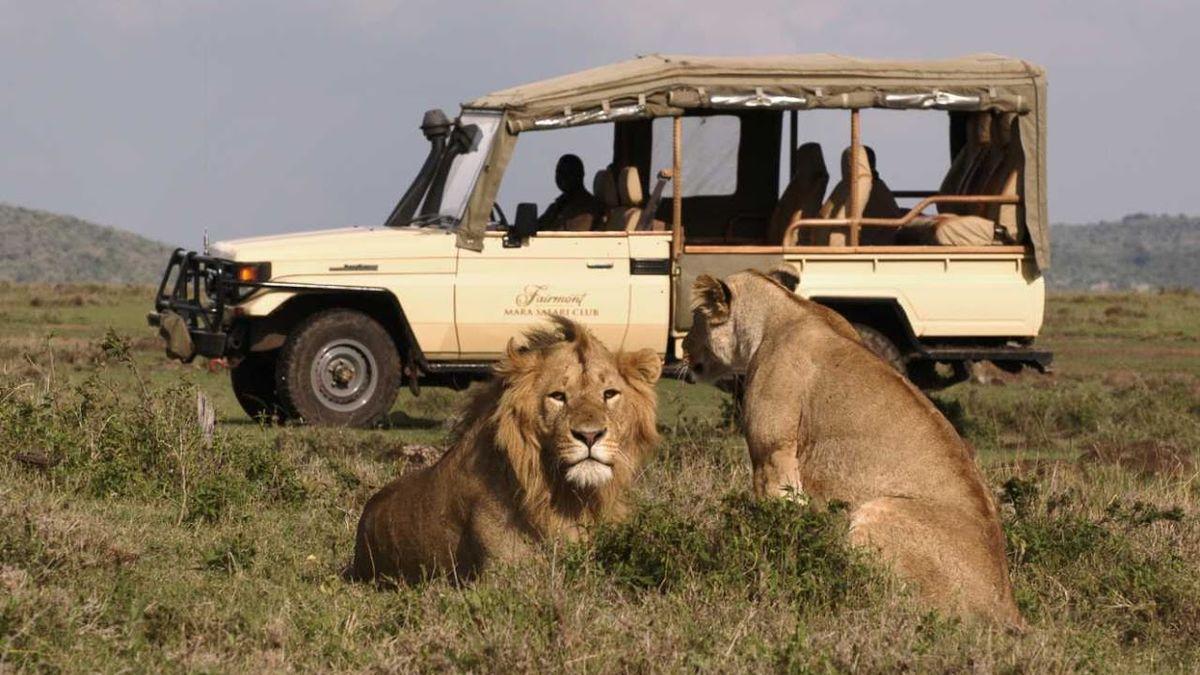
{"points": [[884, 314], [270, 331]]}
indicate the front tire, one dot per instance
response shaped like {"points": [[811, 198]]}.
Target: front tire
{"points": [[339, 368], [881, 345], [253, 380]]}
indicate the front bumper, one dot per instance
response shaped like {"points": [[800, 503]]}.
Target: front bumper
{"points": [[190, 307]]}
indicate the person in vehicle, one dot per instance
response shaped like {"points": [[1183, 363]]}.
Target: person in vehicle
{"points": [[576, 208]]}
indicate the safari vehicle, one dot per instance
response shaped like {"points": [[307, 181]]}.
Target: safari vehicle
{"points": [[326, 326]]}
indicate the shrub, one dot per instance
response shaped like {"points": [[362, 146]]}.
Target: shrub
{"points": [[114, 434], [771, 548], [1096, 570]]}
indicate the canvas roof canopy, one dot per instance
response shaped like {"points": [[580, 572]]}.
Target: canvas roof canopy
{"points": [[659, 85]]}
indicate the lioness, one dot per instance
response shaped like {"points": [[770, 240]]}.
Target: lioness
{"points": [[825, 417], [545, 448]]}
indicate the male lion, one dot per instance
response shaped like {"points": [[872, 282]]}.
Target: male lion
{"points": [[546, 448], [825, 417]]}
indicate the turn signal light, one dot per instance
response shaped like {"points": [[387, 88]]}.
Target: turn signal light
{"points": [[253, 273]]}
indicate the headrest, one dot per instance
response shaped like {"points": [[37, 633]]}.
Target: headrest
{"points": [[810, 161], [605, 188], [857, 170], [981, 130], [862, 162], [629, 186], [1002, 130]]}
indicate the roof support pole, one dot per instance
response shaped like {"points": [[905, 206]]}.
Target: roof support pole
{"points": [[793, 132], [677, 188], [855, 152]]}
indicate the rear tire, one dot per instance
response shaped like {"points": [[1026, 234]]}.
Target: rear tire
{"points": [[881, 345], [338, 368], [253, 380]]}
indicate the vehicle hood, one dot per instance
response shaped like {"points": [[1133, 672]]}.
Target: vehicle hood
{"points": [[343, 244]]}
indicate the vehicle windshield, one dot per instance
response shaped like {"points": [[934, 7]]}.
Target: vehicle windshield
{"points": [[466, 167]]}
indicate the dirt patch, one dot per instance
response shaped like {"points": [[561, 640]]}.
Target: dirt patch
{"points": [[1122, 379], [1147, 457], [1035, 467], [416, 454], [986, 372], [1117, 310]]}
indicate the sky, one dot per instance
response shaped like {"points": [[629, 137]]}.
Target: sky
{"points": [[259, 116]]}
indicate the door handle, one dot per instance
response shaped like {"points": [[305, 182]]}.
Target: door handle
{"points": [[600, 266]]}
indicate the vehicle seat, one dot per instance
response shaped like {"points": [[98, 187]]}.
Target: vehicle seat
{"points": [[967, 162], [803, 194], [990, 156], [857, 169], [881, 204], [629, 195], [984, 181], [1006, 178], [997, 172], [605, 190]]}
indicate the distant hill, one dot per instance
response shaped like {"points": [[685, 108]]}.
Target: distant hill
{"points": [[1139, 251], [38, 246]]}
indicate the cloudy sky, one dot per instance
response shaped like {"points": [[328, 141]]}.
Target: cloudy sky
{"points": [[247, 117]]}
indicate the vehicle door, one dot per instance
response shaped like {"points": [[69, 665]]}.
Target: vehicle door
{"points": [[500, 291]]}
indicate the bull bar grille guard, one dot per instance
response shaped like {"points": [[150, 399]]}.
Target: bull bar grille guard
{"points": [[200, 289]]}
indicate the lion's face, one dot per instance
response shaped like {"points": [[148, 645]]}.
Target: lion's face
{"points": [[711, 345], [583, 405], [591, 412]]}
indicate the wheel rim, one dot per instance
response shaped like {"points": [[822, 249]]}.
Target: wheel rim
{"points": [[344, 375]]}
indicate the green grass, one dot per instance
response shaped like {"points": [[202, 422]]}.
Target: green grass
{"points": [[129, 543]]}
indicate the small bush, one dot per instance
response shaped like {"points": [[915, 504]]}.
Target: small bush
{"points": [[770, 548], [231, 555], [1092, 570], [116, 435]]}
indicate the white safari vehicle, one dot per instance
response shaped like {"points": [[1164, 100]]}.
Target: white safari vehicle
{"points": [[326, 326]]}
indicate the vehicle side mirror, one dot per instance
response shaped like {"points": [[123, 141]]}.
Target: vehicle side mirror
{"points": [[524, 225]]}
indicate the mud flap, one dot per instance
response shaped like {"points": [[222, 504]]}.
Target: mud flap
{"points": [[412, 373], [174, 332]]}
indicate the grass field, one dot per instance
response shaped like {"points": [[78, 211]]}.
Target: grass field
{"points": [[127, 544]]}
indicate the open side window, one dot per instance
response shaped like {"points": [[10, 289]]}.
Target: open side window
{"points": [[729, 166], [979, 202]]}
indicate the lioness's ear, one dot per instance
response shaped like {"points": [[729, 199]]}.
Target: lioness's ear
{"points": [[643, 365], [711, 296], [786, 278]]}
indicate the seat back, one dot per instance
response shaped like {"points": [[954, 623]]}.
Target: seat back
{"points": [[629, 193], [966, 162], [1006, 178], [858, 170], [605, 190], [975, 181], [803, 194], [984, 180]]}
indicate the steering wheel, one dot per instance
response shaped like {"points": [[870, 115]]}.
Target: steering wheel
{"points": [[498, 214]]}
